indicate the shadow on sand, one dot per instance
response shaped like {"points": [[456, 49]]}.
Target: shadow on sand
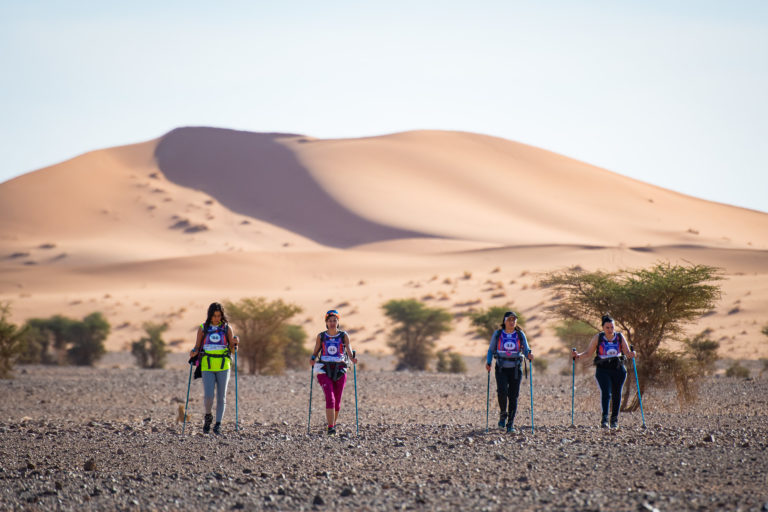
{"points": [[254, 174]]}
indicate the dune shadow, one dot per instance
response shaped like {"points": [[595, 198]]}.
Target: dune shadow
{"points": [[255, 175]]}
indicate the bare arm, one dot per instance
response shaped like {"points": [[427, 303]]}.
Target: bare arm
{"points": [[348, 348], [232, 340], [198, 342], [316, 350], [590, 348], [625, 348]]}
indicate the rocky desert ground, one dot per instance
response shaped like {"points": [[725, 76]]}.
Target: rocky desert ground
{"points": [[108, 438]]}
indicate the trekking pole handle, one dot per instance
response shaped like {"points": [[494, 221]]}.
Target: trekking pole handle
{"points": [[573, 350]]}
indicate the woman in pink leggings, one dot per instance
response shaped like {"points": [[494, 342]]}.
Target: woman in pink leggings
{"points": [[332, 351]]}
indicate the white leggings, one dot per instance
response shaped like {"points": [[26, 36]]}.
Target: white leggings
{"points": [[220, 380]]}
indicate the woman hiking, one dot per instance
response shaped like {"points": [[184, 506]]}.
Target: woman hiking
{"points": [[610, 373], [329, 359], [213, 346], [509, 346]]}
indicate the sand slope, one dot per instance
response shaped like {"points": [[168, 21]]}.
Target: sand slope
{"points": [[156, 231]]}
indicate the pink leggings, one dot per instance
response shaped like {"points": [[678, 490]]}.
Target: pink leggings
{"points": [[332, 390]]}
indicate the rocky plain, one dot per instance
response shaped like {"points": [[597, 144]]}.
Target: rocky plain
{"points": [[108, 438]]}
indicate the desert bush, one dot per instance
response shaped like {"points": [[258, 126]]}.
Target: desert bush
{"points": [[264, 333], [46, 339], [765, 330], [150, 350], [35, 346], [457, 364], [61, 340], [703, 351], [11, 343], [442, 365], [540, 364], [87, 340], [450, 362], [485, 321], [649, 305], [738, 371], [416, 329]]}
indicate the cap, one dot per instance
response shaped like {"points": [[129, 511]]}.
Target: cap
{"points": [[331, 313], [510, 313]]}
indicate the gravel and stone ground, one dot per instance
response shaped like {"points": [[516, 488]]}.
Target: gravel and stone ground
{"points": [[108, 439]]}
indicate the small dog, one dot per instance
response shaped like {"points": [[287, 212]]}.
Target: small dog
{"points": [[180, 416]]}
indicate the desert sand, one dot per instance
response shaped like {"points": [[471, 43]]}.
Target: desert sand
{"points": [[158, 230], [422, 445]]}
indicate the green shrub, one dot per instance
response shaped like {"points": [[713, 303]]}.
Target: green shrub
{"points": [[703, 351], [443, 366], [457, 363], [11, 344], [416, 329], [150, 351], [450, 362], [736, 370], [61, 340], [540, 364], [87, 340]]}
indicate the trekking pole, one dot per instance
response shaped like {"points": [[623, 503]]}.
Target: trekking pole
{"points": [[311, 378], [357, 419], [531, 381], [236, 412], [487, 398], [573, 381], [634, 366], [189, 383]]}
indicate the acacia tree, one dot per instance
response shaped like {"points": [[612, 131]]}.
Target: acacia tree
{"points": [[264, 332], [650, 306], [417, 327]]}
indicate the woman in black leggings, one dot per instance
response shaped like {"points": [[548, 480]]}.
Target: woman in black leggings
{"points": [[610, 373]]}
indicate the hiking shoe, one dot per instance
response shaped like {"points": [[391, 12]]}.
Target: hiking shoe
{"points": [[502, 420], [614, 425], [331, 431], [207, 423], [217, 428], [603, 424], [511, 429]]}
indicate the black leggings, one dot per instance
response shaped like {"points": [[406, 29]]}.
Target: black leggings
{"points": [[611, 381], [507, 389]]}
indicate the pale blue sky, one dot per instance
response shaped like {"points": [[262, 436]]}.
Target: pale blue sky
{"points": [[668, 92]]}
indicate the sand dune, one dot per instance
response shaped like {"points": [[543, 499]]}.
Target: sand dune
{"points": [[156, 231]]}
